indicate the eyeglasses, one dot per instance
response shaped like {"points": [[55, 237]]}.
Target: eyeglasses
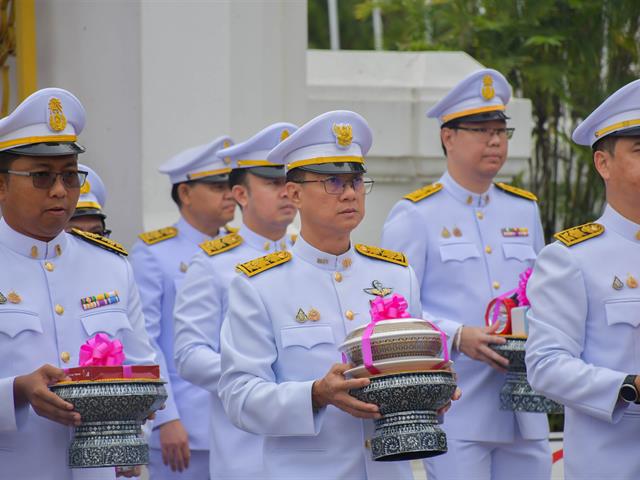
{"points": [[488, 133], [46, 180], [337, 186]]}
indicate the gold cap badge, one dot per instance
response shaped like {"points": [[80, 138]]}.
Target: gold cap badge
{"points": [[85, 188], [343, 133], [487, 91], [57, 120]]}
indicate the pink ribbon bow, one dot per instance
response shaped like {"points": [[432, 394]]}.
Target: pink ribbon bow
{"points": [[390, 309], [100, 351], [521, 293]]}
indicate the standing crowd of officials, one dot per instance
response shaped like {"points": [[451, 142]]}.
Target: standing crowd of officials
{"points": [[245, 322]]}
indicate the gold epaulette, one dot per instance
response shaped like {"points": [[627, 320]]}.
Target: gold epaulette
{"points": [[423, 192], [262, 264], [160, 235], [222, 244], [100, 241], [574, 235], [230, 229], [382, 254], [516, 191]]}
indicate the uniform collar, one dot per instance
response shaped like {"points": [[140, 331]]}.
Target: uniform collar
{"points": [[192, 234], [322, 260], [30, 247], [258, 242], [619, 224], [463, 195]]}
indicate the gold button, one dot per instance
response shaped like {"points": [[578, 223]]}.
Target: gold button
{"points": [[65, 357], [337, 276], [496, 285], [349, 315], [49, 266], [367, 444], [480, 215], [488, 249], [59, 309]]}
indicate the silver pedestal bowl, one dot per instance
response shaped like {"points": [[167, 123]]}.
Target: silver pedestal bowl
{"points": [[408, 403], [516, 394], [406, 384], [112, 413]]}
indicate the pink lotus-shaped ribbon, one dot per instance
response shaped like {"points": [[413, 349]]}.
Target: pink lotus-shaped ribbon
{"points": [[101, 351]]}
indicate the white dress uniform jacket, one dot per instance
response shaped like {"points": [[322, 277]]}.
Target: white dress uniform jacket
{"points": [[159, 268], [281, 334], [42, 321], [201, 305], [583, 341], [462, 249]]}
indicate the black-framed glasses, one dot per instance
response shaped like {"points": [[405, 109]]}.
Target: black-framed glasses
{"points": [[488, 133], [46, 180], [337, 185]]}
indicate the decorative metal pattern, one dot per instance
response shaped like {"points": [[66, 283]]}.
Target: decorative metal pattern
{"points": [[516, 393], [112, 416], [408, 403]]}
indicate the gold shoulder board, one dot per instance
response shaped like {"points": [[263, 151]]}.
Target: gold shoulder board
{"points": [[516, 191], [222, 244], [574, 235], [230, 229], [156, 236], [100, 241], [423, 192], [382, 254], [262, 264]]}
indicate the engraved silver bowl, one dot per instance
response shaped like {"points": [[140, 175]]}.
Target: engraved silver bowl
{"points": [[112, 413], [516, 394], [408, 403]]}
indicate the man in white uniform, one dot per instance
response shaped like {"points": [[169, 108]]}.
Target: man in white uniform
{"points": [[288, 312], [45, 273], [584, 337], [468, 240], [201, 303], [200, 188]]}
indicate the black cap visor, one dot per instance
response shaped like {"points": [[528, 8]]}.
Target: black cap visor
{"points": [[628, 132], [335, 168], [477, 117], [85, 212], [47, 149], [276, 171], [224, 178]]}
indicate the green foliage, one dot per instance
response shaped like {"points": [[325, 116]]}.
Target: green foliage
{"points": [[564, 55]]}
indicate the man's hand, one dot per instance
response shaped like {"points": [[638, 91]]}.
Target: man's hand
{"points": [[34, 389], [174, 441], [333, 389], [457, 393], [475, 343]]}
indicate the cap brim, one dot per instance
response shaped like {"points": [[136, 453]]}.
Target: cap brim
{"points": [[212, 179], [268, 172], [48, 149], [478, 117], [84, 212], [335, 168]]}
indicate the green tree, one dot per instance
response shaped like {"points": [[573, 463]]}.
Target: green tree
{"points": [[564, 55]]}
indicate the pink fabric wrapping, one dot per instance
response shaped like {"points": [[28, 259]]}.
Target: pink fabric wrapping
{"points": [[101, 351]]}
